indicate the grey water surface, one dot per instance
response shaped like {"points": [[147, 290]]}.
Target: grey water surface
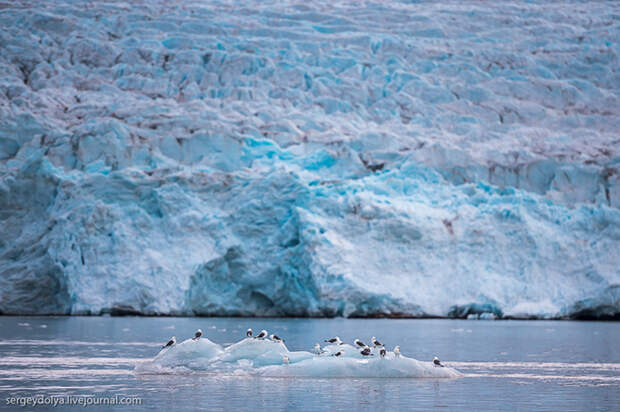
{"points": [[507, 365]]}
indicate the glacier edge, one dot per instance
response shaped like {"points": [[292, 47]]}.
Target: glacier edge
{"points": [[296, 161]]}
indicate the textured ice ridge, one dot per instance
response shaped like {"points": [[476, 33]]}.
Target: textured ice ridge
{"points": [[273, 359], [289, 158]]}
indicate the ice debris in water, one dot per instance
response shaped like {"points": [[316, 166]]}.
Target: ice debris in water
{"points": [[263, 357]]}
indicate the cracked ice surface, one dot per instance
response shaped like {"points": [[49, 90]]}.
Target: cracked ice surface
{"points": [[296, 158]]}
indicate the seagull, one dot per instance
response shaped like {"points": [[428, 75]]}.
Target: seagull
{"points": [[262, 334], [317, 349], [376, 342], [276, 338], [436, 362], [366, 351], [382, 352], [285, 360], [335, 341], [339, 353], [397, 351], [248, 333], [171, 342], [197, 335], [359, 343]]}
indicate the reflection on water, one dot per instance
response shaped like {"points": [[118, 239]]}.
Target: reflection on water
{"points": [[537, 365]]}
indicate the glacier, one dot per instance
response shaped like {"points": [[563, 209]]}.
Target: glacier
{"points": [[292, 158], [265, 358]]}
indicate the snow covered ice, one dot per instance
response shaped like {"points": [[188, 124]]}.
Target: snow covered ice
{"points": [[265, 358], [310, 159]]}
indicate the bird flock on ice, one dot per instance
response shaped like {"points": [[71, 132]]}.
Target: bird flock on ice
{"points": [[364, 350]]}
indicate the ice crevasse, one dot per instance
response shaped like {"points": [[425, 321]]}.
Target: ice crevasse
{"points": [[285, 159]]}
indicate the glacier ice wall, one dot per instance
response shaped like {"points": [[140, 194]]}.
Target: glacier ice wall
{"points": [[310, 159]]}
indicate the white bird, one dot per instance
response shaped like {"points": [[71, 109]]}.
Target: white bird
{"points": [[197, 335], [276, 338], [382, 352], [436, 362], [171, 342], [376, 342], [359, 343], [285, 360], [317, 349], [339, 353], [248, 333], [366, 351], [335, 341], [397, 351], [262, 334]]}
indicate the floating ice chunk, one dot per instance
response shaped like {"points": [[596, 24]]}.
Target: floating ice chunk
{"points": [[347, 367], [189, 354], [273, 359], [261, 352], [482, 316], [349, 351]]}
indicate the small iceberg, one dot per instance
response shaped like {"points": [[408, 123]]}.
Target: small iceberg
{"points": [[264, 357]]}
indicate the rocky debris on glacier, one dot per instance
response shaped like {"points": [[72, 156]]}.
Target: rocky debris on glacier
{"points": [[272, 160]]}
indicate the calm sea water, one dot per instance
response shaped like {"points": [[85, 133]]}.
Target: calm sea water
{"points": [[508, 365]]}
